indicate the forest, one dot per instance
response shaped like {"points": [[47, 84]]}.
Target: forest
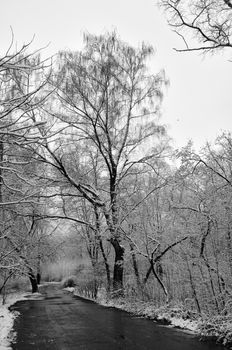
{"points": [[92, 192]]}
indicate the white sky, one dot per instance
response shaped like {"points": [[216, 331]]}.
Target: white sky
{"points": [[198, 103]]}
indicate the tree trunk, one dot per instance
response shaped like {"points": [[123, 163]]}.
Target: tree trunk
{"points": [[118, 267], [107, 266], [33, 280], [212, 285], [38, 278], [159, 281], [115, 238], [135, 266], [112, 223], [229, 248], [38, 275], [94, 287], [1, 171], [194, 292], [149, 270]]}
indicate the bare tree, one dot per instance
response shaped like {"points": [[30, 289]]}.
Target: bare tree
{"points": [[209, 23], [108, 102], [22, 82]]}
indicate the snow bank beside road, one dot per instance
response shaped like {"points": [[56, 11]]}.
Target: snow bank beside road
{"points": [[173, 316], [7, 317], [176, 316]]}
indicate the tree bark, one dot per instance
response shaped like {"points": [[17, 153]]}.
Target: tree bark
{"points": [[194, 292], [147, 275], [135, 265], [118, 267], [33, 280], [229, 248], [107, 266], [1, 161], [159, 281], [38, 277]]}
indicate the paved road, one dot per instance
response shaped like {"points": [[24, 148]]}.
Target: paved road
{"points": [[63, 322]]}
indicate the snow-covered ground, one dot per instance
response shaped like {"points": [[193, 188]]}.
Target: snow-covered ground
{"points": [[70, 289], [218, 328], [7, 317], [173, 316]]}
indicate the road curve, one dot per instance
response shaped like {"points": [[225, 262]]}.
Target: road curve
{"points": [[63, 322]]}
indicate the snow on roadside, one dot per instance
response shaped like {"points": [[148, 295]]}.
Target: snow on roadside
{"points": [[217, 328], [177, 317], [174, 317], [7, 317], [69, 289], [179, 322]]}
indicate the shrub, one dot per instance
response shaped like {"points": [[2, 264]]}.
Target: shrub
{"points": [[70, 281], [89, 288], [219, 328]]}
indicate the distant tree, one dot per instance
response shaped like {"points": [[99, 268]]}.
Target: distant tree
{"points": [[153, 234], [202, 203]]}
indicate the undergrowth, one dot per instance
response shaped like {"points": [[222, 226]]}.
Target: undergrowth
{"points": [[218, 328]]}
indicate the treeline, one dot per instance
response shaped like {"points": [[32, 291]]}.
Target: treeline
{"points": [[81, 143]]}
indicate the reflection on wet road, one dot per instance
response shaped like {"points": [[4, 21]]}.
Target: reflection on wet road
{"points": [[61, 321]]}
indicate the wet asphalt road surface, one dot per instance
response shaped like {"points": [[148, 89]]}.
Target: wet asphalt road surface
{"points": [[63, 322]]}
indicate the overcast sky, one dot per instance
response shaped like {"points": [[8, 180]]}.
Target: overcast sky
{"points": [[198, 102]]}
